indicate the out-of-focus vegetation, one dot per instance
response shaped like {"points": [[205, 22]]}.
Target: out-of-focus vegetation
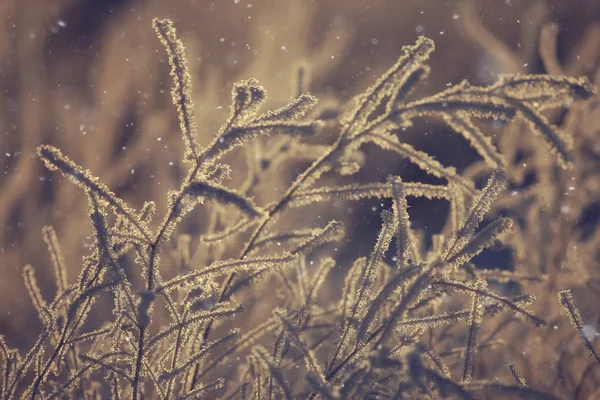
{"points": [[91, 79]]}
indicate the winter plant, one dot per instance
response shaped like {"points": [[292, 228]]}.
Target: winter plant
{"points": [[408, 318]]}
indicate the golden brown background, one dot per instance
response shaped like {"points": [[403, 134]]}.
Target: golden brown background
{"points": [[91, 78]]}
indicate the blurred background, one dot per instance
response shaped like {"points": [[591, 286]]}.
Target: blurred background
{"points": [[90, 77]]}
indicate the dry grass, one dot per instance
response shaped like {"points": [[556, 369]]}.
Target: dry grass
{"points": [[232, 255]]}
